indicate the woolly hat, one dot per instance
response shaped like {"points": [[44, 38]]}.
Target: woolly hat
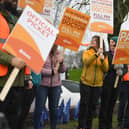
{"points": [[114, 38]]}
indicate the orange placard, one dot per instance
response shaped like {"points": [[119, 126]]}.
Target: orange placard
{"points": [[31, 39], [101, 12], [101, 27], [85, 44], [72, 28], [37, 5], [121, 55]]}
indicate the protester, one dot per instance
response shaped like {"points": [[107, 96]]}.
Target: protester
{"points": [[95, 65], [28, 95], [123, 109], [13, 104], [9, 13], [50, 87], [109, 93]]}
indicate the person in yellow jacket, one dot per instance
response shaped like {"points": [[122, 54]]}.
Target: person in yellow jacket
{"points": [[95, 64], [13, 105]]}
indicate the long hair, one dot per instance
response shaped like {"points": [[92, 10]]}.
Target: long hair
{"points": [[98, 41]]}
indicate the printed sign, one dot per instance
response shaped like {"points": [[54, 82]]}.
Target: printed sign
{"points": [[48, 10], [101, 12], [31, 39], [72, 28], [121, 55], [37, 5]]}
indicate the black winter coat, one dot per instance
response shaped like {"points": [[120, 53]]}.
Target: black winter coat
{"points": [[110, 76]]}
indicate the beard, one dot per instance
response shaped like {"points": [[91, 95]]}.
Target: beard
{"points": [[9, 7]]}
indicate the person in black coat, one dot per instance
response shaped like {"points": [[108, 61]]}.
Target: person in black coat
{"points": [[109, 93]]}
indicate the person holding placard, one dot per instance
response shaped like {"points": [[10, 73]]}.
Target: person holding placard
{"points": [[109, 92], [95, 65], [123, 108], [12, 106], [50, 86]]}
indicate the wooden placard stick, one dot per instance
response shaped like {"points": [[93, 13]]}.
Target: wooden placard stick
{"points": [[101, 40], [62, 54], [116, 81], [9, 83]]}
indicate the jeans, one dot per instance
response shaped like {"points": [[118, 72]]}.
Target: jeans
{"points": [[53, 94]]}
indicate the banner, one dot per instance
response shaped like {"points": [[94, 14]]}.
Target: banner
{"points": [[121, 55], [31, 39], [101, 12], [37, 5], [72, 28]]}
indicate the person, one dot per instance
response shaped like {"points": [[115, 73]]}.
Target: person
{"points": [[123, 108], [12, 106], [109, 93], [95, 65], [9, 12], [50, 86]]}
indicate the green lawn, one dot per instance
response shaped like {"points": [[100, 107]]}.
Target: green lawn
{"points": [[73, 124], [74, 74]]}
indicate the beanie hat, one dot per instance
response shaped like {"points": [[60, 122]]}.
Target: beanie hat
{"points": [[114, 38]]}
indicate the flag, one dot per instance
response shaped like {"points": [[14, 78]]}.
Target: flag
{"points": [[76, 111], [60, 112], [44, 116]]}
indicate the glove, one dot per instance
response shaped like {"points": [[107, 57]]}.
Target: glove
{"points": [[118, 66], [28, 84], [119, 72]]}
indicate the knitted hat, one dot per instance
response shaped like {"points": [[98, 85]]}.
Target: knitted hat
{"points": [[114, 38]]}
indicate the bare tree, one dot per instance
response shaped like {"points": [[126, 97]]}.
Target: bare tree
{"points": [[121, 9], [81, 4], [60, 5]]}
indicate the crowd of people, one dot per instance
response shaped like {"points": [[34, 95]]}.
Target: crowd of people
{"points": [[99, 84]]}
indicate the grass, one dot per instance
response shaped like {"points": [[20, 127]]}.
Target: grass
{"points": [[73, 124], [74, 74]]}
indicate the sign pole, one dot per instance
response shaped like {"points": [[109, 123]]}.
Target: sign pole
{"points": [[101, 40], [9, 83], [62, 54], [116, 81]]}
